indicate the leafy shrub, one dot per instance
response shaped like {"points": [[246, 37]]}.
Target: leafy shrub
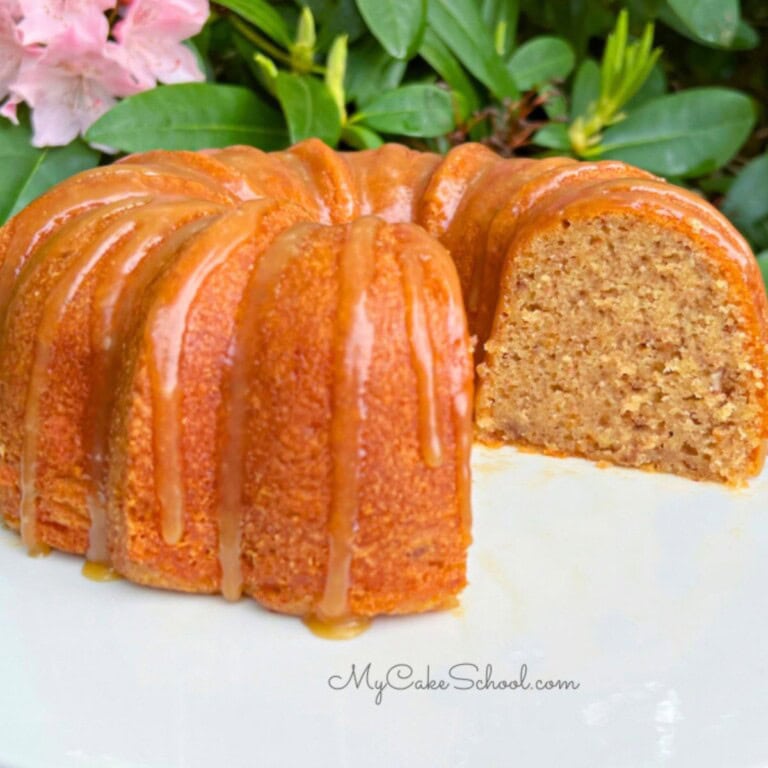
{"points": [[672, 86]]}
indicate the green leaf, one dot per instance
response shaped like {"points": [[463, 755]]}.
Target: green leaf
{"points": [[576, 20], [586, 87], [553, 136], [334, 18], [397, 24], [437, 55], [746, 203], [541, 60], [263, 16], [762, 262], [746, 37], [501, 17], [309, 108], [370, 71], [335, 70], [360, 137], [684, 134], [554, 103], [189, 116], [29, 171], [712, 21], [413, 110], [653, 87], [459, 25]]}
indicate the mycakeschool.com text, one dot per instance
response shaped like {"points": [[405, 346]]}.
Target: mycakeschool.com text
{"points": [[463, 676]]}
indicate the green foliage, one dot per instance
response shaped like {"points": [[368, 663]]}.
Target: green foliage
{"points": [[540, 61], [397, 24], [434, 51], [263, 16], [501, 17], [460, 26], [715, 22], [762, 262], [413, 110], [683, 134], [28, 171], [309, 108], [674, 86], [189, 116], [371, 71], [746, 202], [624, 69]]}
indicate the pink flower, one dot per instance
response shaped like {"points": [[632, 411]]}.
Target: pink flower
{"points": [[8, 110], [72, 84], [11, 49], [13, 7], [46, 19], [150, 36], [56, 56]]}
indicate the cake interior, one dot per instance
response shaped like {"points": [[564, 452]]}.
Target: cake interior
{"points": [[616, 339]]}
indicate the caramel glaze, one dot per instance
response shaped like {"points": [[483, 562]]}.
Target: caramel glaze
{"points": [[422, 356], [290, 539], [133, 232], [284, 177], [89, 190], [342, 629], [428, 358], [390, 181], [165, 328], [203, 167], [448, 185], [330, 177], [212, 284], [355, 339], [352, 355], [55, 256], [99, 192], [234, 404], [54, 308], [99, 572], [161, 230]]}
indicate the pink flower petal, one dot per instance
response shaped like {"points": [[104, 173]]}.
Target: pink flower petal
{"points": [[46, 19], [150, 34], [157, 59], [11, 51], [72, 107], [8, 110], [13, 7], [169, 19], [72, 84]]}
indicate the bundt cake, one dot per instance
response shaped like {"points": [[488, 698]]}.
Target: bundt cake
{"points": [[236, 371]]}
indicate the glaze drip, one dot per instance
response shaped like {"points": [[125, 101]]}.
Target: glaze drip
{"points": [[343, 629], [352, 355], [64, 290], [422, 355], [99, 572], [165, 328], [161, 231], [235, 405]]}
